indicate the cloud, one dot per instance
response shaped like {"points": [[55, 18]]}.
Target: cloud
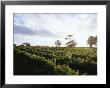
{"points": [[18, 20], [51, 27], [30, 32]]}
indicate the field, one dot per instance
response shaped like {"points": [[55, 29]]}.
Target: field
{"points": [[33, 60]]}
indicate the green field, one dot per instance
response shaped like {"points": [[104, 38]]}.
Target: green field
{"points": [[31, 60]]}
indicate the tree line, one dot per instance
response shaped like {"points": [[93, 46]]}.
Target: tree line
{"points": [[72, 43]]}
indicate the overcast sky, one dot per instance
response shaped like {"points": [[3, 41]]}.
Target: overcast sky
{"points": [[45, 29]]}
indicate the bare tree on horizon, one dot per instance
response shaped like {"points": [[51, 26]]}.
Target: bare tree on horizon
{"points": [[92, 41], [58, 43], [71, 42]]}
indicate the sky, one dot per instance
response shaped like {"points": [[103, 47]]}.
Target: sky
{"points": [[45, 28]]}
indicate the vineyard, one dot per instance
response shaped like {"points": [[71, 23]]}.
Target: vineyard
{"points": [[33, 60]]}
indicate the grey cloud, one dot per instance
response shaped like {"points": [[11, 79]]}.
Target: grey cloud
{"points": [[28, 31], [22, 30]]}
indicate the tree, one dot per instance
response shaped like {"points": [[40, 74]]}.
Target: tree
{"points": [[58, 43], [92, 40], [26, 44], [70, 43]]}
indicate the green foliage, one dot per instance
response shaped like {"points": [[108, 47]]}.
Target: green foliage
{"points": [[55, 60], [64, 70]]}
